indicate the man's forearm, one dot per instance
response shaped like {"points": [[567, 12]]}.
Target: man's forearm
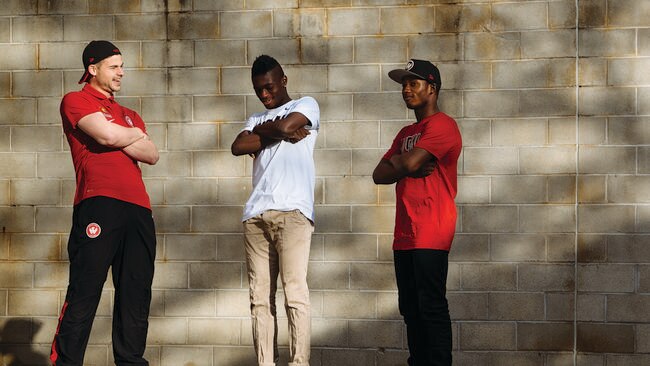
{"points": [[143, 150]]}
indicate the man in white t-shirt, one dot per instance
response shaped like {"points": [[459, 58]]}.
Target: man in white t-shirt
{"points": [[278, 217]]}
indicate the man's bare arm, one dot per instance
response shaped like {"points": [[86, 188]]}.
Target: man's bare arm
{"points": [[143, 150], [109, 134], [416, 163]]}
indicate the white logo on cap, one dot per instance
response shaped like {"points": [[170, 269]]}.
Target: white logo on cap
{"points": [[410, 65]]}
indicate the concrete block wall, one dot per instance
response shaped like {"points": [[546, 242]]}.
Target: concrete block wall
{"points": [[551, 263]]}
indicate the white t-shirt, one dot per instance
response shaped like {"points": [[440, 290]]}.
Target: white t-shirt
{"points": [[284, 173]]}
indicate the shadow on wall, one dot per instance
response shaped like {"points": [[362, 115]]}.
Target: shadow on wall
{"points": [[16, 338]]}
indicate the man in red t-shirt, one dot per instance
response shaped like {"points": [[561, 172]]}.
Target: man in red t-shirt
{"points": [[112, 225], [422, 161]]}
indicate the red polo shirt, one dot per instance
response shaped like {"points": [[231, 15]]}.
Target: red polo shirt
{"points": [[101, 170], [425, 209]]}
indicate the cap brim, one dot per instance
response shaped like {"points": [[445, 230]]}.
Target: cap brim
{"points": [[398, 74], [85, 77]]}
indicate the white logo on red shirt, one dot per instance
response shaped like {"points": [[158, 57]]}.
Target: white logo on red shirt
{"points": [[408, 143], [128, 120], [93, 230]]}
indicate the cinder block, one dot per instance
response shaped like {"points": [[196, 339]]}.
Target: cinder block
{"points": [[192, 136], [34, 191], [561, 247], [591, 307], [332, 162], [49, 84], [491, 104], [592, 71], [170, 275], [438, 48], [517, 247], [628, 249], [37, 29], [353, 78], [220, 108], [593, 337], [354, 190], [215, 53], [592, 189], [16, 275], [189, 247], [557, 160], [195, 356], [167, 109], [17, 219], [144, 82], [492, 46], [483, 277], [351, 134], [167, 331], [516, 306], [171, 164], [172, 219], [216, 275], [53, 219], [329, 333], [644, 42], [33, 138], [364, 161], [643, 159], [380, 333], [549, 44], [628, 72], [614, 278], [333, 50], [543, 218], [605, 218], [169, 53], [328, 275], [54, 274], [350, 247], [387, 307], [346, 305], [363, 21], [628, 130], [559, 306], [193, 25], [421, 20], [488, 336], [469, 247], [606, 42], [562, 14], [628, 189], [468, 306], [218, 164], [33, 303], [561, 189], [86, 28], [627, 360], [332, 219], [233, 191], [547, 102], [378, 106], [522, 16], [298, 23], [221, 219], [489, 219], [372, 276], [142, 26], [306, 78], [607, 101], [628, 308], [545, 337], [473, 190], [455, 18], [233, 303], [16, 111], [642, 335], [249, 24], [190, 303], [34, 247], [229, 355], [518, 189], [381, 49], [620, 15], [193, 81], [377, 219], [545, 277], [345, 357]]}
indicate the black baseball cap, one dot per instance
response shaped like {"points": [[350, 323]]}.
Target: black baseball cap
{"points": [[420, 69], [94, 52]]}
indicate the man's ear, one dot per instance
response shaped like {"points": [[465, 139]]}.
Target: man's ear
{"points": [[92, 69], [284, 80]]}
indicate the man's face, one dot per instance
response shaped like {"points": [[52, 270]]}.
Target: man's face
{"points": [[417, 92], [271, 88], [108, 74]]}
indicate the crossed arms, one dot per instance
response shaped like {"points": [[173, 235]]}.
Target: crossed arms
{"points": [[132, 141], [417, 163], [290, 128]]}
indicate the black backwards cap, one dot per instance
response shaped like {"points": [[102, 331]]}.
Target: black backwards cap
{"points": [[420, 69], [94, 52]]}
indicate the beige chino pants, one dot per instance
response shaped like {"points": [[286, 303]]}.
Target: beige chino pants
{"points": [[278, 242]]}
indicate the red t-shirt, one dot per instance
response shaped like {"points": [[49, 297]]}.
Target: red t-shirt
{"points": [[101, 170], [425, 209]]}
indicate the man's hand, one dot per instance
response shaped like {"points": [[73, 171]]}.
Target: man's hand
{"points": [[300, 134], [426, 169]]}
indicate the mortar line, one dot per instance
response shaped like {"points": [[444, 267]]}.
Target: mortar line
{"points": [[576, 194]]}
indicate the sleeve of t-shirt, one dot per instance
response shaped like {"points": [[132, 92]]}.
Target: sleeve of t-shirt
{"points": [[251, 122], [438, 138], [136, 119], [394, 147], [75, 107], [308, 107]]}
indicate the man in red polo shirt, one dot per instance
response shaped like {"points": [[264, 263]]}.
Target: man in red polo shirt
{"points": [[112, 225], [422, 161]]}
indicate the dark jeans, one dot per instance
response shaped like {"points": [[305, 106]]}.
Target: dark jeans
{"points": [[421, 282], [127, 244]]}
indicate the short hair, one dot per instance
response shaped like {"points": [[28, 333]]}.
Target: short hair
{"points": [[264, 64]]}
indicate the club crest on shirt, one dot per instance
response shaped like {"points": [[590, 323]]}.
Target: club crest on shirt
{"points": [[106, 113], [93, 230], [408, 143], [128, 120]]}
